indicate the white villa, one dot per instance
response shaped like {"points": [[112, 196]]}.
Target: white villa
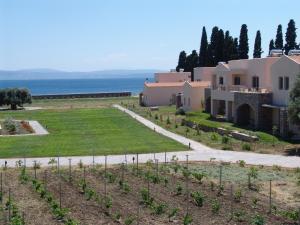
{"points": [[249, 92]]}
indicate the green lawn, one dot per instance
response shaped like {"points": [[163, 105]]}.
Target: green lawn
{"points": [[82, 132]]}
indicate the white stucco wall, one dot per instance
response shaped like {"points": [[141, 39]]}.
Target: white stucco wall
{"points": [[194, 97], [204, 73], [159, 96], [284, 67], [172, 77]]}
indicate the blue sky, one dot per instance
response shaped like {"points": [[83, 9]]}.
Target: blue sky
{"points": [[84, 35]]}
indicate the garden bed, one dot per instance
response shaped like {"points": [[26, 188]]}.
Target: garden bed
{"points": [[209, 193], [15, 127]]}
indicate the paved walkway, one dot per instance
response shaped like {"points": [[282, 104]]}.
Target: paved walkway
{"points": [[200, 152]]}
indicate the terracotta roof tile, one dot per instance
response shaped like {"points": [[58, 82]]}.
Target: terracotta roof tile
{"points": [[295, 58]]}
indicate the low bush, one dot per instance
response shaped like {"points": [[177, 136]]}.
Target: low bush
{"points": [[225, 140], [180, 111], [246, 146], [10, 125], [215, 206], [257, 220], [198, 198]]}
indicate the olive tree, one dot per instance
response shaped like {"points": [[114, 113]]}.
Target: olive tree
{"points": [[14, 97]]}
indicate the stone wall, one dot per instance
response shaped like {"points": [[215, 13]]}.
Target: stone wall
{"points": [[255, 101], [85, 95]]}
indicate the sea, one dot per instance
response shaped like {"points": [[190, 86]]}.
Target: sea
{"points": [[72, 86]]}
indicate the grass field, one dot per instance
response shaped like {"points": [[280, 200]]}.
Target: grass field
{"points": [[83, 132], [267, 142]]}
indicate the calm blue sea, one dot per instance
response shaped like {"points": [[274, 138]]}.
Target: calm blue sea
{"points": [[134, 85]]}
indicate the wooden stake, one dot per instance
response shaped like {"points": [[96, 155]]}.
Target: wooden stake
{"points": [[70, 170], [220, 176], [137, 164], [9, 207], [60, 193], [105, 175], [187, 185], [1, 188], [34, 169], [45, 179], [165, 157], [270, 198]]}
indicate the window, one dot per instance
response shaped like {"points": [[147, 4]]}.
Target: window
{"points": [[255, 82], [237, 81], [221, 80], [286, 83], [280, 83]]}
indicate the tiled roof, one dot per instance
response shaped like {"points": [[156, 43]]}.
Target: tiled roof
{"points": [[295, 58], [165, 84]]}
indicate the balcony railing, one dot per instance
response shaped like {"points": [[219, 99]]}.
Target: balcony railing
{"points": [[240, 88]]}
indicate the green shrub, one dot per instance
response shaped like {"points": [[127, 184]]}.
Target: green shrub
{"points": [[111, 177], [156, 117], [237, 195], [168, 120], [246, 146], [215, 206], [146, 199], [198, 198], [239, 216], [179, 189], [172, 213], [199, 176], [253, 172], [187, 219], [129, 220], [241, 163], [180, 111], [159, 208], [10, 125], [225, 140], [214, 137], [257, 220]]}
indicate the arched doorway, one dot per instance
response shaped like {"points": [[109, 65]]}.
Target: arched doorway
{"points": [[245, 116]]}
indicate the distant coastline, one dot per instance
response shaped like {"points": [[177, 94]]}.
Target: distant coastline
{"points": [[49, 74], [81, 86]]}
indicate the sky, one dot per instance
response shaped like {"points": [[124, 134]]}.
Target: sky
{"points": [[87, 35]]}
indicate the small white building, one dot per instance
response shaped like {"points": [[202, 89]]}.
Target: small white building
{"points": [[161, 94], [193, 95]]}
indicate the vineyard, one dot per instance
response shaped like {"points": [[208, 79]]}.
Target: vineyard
{"points": [[132, 193]]}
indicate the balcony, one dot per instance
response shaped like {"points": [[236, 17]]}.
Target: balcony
{"points": [[239, 88]]}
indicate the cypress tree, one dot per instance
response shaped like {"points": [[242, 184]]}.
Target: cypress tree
{"points": [[279, 38], [243, 44], [235, 51], [220, 47], [271, 45], [191, 63], [213, 45], [228, 46], [209, 56], [257, 46], [290, 37], [181, 61], [203, 48]]}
